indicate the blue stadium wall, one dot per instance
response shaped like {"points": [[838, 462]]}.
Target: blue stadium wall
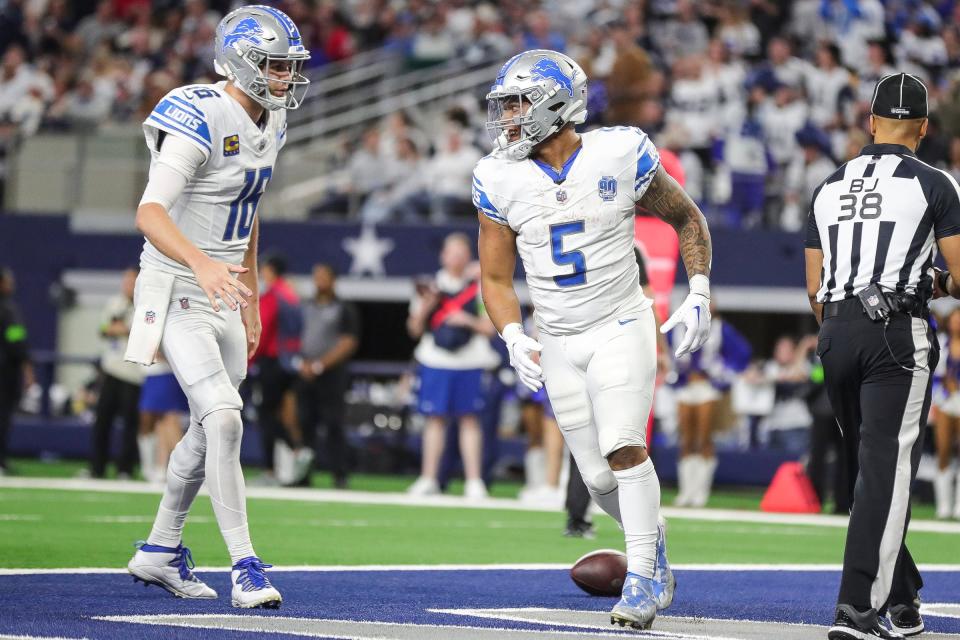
{"points": [[41, 247]]}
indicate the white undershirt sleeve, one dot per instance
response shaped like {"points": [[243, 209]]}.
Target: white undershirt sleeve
{"points": [[171, 170]]}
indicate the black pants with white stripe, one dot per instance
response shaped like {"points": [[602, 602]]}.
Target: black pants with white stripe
{"points": [[881, 409]]}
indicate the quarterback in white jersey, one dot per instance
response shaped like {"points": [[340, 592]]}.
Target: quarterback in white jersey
{"points": [[565, 203], [213, 149]]}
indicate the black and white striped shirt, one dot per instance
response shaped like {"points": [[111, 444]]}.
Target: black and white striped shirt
{"points": [[876, 220]]}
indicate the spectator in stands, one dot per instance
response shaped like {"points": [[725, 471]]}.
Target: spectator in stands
{"points": [[804, 174], [851, 24], [683, 35], [783, 114], [921, 46], [433, 42], [828, 88], [694, 98], [119, 386], [737, 31], [540, 33], [365, 171], [274, 371], [788, 69], [745, 154], [16, 373], [730, 74], [629, 76], [331, 335], [101, 26], [701, 377], [453, 353], [867, 77], [405, 186], [450, 173]]}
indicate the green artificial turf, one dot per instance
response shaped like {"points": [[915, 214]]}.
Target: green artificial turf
{"points": [[54, 528], [747, 498]]}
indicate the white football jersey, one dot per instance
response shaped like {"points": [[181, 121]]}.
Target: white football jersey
{"points": [[217, 208], [575, 229]]}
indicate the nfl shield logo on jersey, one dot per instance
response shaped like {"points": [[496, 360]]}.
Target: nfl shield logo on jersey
{"points": [[561, 196], [608, 188], [150, 317]]}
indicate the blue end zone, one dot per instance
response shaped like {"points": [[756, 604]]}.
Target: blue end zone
{"points": [[63, 605]]}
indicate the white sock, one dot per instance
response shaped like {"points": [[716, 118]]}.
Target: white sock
{"points": [[708, 466], [147, 447], [639, 490], [534, 467], [224, 430], [185, 474]]}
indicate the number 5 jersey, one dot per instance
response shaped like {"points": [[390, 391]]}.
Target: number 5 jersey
{"points": [[218, 205], [575, 227]]}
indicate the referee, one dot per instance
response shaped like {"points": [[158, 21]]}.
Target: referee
{"points": [[873, 232]]}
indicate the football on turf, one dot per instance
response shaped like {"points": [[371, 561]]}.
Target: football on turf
{"points": [[600, 573]]}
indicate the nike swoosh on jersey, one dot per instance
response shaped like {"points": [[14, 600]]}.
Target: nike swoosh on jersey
{"points": [[627, 321]]}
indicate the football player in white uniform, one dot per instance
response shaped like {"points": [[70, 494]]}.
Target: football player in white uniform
{"points": [[565, 203], [213, 149]]}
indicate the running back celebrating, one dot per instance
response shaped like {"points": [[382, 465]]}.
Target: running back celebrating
{"points": [[565, 202]]}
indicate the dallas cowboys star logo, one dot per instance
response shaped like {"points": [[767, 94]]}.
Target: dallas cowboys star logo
{"points": [[367, 252]]}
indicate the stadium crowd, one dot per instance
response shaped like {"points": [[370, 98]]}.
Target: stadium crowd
{"points": [[760, 100]]}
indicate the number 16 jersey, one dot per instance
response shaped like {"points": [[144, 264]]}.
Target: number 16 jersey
{"points": [[575, 227], [218, 205]]}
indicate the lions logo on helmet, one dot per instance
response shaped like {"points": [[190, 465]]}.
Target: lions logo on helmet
{"points": [[548, 69], [536, 94], [247, 29], [248, 40]]}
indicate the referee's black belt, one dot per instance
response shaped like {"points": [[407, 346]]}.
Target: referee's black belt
{"points": [[899, 302]]}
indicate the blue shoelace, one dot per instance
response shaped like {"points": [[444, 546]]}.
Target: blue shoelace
{"points": [[183, 561], [252, 576]]}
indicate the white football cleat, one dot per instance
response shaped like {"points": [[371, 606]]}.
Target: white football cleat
{"points": [[170, 569], [424, 487], [251, 586], [475, 489]]}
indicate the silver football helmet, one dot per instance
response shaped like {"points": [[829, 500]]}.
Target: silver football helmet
{"points": [[554, 86], [248, 41]]}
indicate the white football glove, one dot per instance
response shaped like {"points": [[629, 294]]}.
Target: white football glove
{"points": [[694, 313], [521, 346]]}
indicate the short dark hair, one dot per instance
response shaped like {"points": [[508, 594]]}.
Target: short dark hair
{"points": [[276, 262], [327, 266]]}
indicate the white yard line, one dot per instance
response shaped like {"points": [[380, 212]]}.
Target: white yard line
{"points": [[376, 568], [401, 499]]}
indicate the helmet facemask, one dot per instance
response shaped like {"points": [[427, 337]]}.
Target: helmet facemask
{"points": [[507, 110], [259, 87]]}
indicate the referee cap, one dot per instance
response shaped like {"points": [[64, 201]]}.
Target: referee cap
{"points": [[900, 96]]}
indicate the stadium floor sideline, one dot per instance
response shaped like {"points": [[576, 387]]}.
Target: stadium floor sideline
{"points": [[453, 604], [371, 565], [378, 498]]}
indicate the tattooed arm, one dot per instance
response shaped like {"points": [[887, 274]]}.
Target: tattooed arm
{"points": [[667, 199]]}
